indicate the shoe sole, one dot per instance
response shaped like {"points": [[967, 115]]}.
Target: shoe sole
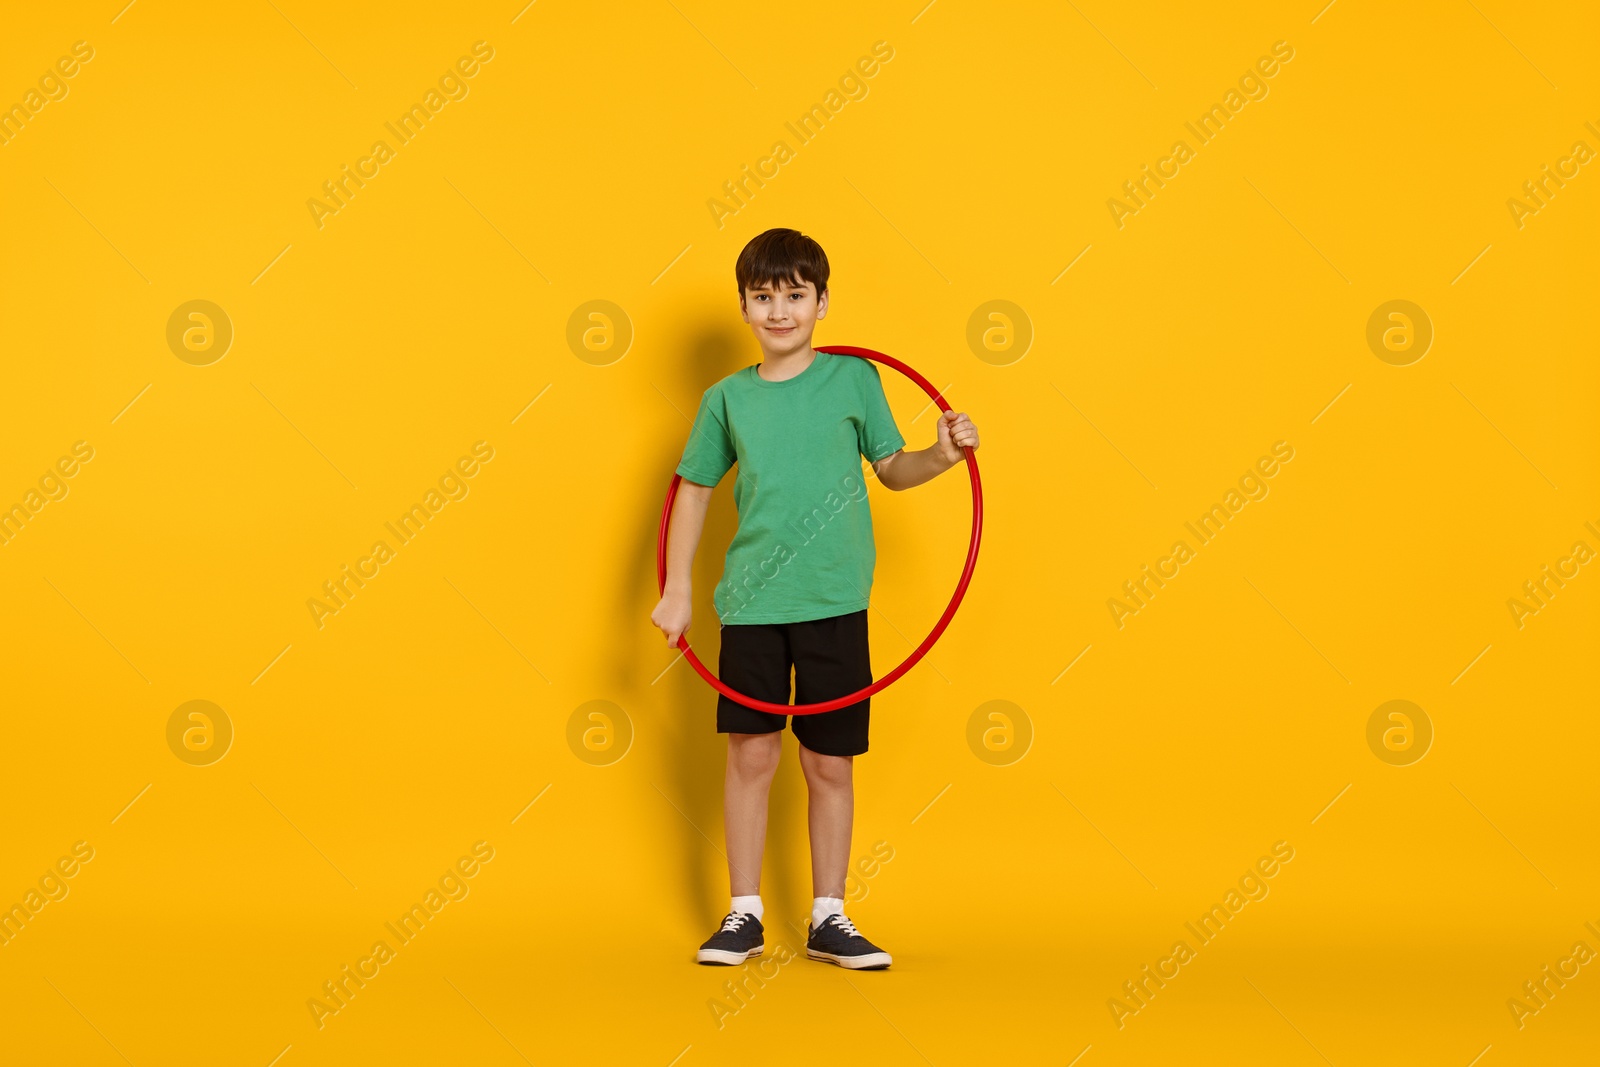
{"points": [[872, 961], [723, 957]]}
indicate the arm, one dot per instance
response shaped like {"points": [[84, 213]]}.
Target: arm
{"points": [[902, 469], [674, 612]]}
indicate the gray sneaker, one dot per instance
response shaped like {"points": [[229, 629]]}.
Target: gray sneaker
{"points": [[837, 941]]}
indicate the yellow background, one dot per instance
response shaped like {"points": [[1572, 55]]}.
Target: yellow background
{"points": [[370, 353]]}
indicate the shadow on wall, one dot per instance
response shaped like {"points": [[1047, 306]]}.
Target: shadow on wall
{"points": [[680, 708]]}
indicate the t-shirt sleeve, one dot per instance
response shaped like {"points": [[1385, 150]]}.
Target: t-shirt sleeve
{"points": [[878, 434], [709, 453]]}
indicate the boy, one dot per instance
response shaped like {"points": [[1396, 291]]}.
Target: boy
{"points": [[797, 576]]}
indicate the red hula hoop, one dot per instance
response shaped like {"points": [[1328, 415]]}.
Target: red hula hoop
{"points": [[927, 642]]}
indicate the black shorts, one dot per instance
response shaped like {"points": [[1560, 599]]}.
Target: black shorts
{"points": [[830, 659]]}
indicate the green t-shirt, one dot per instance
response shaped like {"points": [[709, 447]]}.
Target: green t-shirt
{"points": [[804, 546]]}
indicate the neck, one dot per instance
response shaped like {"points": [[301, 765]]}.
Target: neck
{"points": [[788, 365]]}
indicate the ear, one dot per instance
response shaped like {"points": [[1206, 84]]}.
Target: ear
{"points": [[822, 305], [744, 312]]}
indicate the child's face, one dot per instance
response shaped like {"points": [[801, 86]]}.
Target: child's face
{"points": [[783, 318]]}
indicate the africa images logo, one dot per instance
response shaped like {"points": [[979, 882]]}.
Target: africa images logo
{"points": [[1209, 126]]}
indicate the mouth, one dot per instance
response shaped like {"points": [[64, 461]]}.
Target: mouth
{"points": [[780, 329]]}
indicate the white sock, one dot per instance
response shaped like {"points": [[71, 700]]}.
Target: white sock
{"points": [[751, 904], [822, 907]]}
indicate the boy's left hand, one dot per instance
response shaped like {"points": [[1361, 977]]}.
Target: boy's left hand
{"points": [[955, 432]]}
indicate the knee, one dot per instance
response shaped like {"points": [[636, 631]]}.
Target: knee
{"points": [[829, 772], [754, 755]]}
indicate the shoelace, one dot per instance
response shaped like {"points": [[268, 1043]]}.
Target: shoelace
{"points": [[734, 920], [844, 924]]}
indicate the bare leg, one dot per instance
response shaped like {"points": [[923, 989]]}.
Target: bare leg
{"points": [[752, 761], [830, 811]]}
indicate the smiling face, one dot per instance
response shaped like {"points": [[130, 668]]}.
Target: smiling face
{"points": [[783, 317]]}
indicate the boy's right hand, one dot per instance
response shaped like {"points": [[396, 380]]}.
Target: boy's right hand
{"points": [[673, 615]]}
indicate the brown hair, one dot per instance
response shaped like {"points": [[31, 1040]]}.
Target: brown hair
{"points": [[781, 255]]}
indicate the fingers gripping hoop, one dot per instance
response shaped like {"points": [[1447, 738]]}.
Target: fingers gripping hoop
{"points": [[927, 642]]}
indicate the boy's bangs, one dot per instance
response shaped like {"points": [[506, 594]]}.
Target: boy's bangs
{"points": [[773, 279]]}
